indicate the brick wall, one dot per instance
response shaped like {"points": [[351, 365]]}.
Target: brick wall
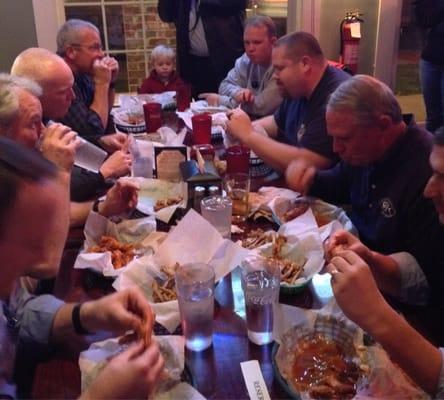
{"points": [[156, 32]]}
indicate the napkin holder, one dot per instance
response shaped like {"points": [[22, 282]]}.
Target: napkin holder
{"points": [[194, 177]]}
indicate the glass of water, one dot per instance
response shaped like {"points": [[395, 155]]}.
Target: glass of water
{"points": [[260, 283], [217, 211], [195, 292], [142, 167]]}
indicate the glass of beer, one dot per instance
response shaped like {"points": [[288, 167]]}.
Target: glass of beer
{"points": [[237, 187], [260, 283]]}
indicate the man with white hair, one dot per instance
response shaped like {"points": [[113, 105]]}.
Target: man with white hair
{"points": [[56, 80], [21, 120], [383, 171], [79, 44]]}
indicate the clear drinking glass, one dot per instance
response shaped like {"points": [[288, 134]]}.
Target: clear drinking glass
{"points": [[142, 167], [260, 283], [195, 292], [238, 187], [217, 211]]}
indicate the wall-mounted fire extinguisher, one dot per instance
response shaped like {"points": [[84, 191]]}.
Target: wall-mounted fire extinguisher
{"points": [[350, 39]]}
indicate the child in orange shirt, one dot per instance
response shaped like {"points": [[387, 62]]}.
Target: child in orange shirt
{"points": [[162, 77]]}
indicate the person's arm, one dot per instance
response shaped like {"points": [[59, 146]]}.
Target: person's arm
{"points": [[117, 313], [79, 213], [238, 4], [429, 13], [275, 154], [356, 293], [102, 80], [85, 184], [385, 269], [235, 81], [167, 10], [266, 101]]}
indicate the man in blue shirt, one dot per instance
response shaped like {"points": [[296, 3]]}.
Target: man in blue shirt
{"points": [[354, 285], [383, 171], [297, 129]]}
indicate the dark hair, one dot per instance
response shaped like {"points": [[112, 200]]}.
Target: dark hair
{"points": [[299, 44], [18, 164], [262, 20], [439, 136]]}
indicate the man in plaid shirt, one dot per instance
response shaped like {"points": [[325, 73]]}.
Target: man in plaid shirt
{"points": [[79, 43]]}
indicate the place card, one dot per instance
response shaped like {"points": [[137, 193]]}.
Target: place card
{"points": [[254, 380], [168, 159]]}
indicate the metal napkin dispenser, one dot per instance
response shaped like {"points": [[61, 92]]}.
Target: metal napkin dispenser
{"points": [[206, 177]]}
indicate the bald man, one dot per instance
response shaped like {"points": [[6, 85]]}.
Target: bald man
{"points": [[56, 80]]}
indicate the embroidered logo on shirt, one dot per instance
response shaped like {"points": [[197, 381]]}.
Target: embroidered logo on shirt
{"points": [[388, 210], [301, 132]]}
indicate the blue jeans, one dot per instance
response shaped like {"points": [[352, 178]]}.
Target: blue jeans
{"points": [[432, 82]]}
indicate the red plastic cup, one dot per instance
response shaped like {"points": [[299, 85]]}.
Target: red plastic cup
{"points": [[238, 159], [183, 97], [153, 116], [201, 128]]}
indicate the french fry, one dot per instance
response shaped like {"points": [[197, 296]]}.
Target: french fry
{"points": [[166, 290]]}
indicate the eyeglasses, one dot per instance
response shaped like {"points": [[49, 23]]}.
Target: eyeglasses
{"points": [[93, 47]]}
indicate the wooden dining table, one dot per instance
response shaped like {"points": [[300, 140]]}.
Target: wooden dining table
{"points": [[215, 372]]}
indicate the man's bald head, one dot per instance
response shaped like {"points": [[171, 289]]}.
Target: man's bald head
{"points": [[54, 76]]}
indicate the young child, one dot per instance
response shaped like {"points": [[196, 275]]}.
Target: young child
{"points": [[163, 77]]}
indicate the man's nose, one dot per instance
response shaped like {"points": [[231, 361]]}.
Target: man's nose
{"points": [[337, 147], [430, 189]]}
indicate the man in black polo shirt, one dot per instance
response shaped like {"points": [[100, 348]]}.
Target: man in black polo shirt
{"points": [[383, 172], [297, 129]]}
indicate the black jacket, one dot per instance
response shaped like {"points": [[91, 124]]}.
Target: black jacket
{"points": [[430, 15], [223, 26]]}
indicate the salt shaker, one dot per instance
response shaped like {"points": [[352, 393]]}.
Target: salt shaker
{"points": [[199, 194]]}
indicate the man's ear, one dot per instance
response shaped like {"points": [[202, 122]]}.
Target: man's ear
{"points": [[384, 122], [70, 53], [306, 63]]}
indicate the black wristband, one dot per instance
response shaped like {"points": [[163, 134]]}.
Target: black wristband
{"points": [[95, 206], [112, 85], [78, 327]]}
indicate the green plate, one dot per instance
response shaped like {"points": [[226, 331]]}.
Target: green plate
{"points": [[293, 289]]}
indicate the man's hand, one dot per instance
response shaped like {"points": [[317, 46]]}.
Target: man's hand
{"points": [[122, 197], [133, 374], [113, 65], [355, 289], [348, 241], [102, 73], [300, 176], [244, 96], [211, 98], [58, 144], [118, 312], [115, 141], [116, 165], [239, 124]]}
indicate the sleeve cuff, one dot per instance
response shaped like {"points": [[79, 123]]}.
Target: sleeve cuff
{"points": [[440, 389], [38, 319], [414, 286]]}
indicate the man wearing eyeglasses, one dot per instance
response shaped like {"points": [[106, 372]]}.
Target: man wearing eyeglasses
{"points": [[79, 43]]}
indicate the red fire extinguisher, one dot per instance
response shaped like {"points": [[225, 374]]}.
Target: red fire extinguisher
{"points": [[350, 39]]}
